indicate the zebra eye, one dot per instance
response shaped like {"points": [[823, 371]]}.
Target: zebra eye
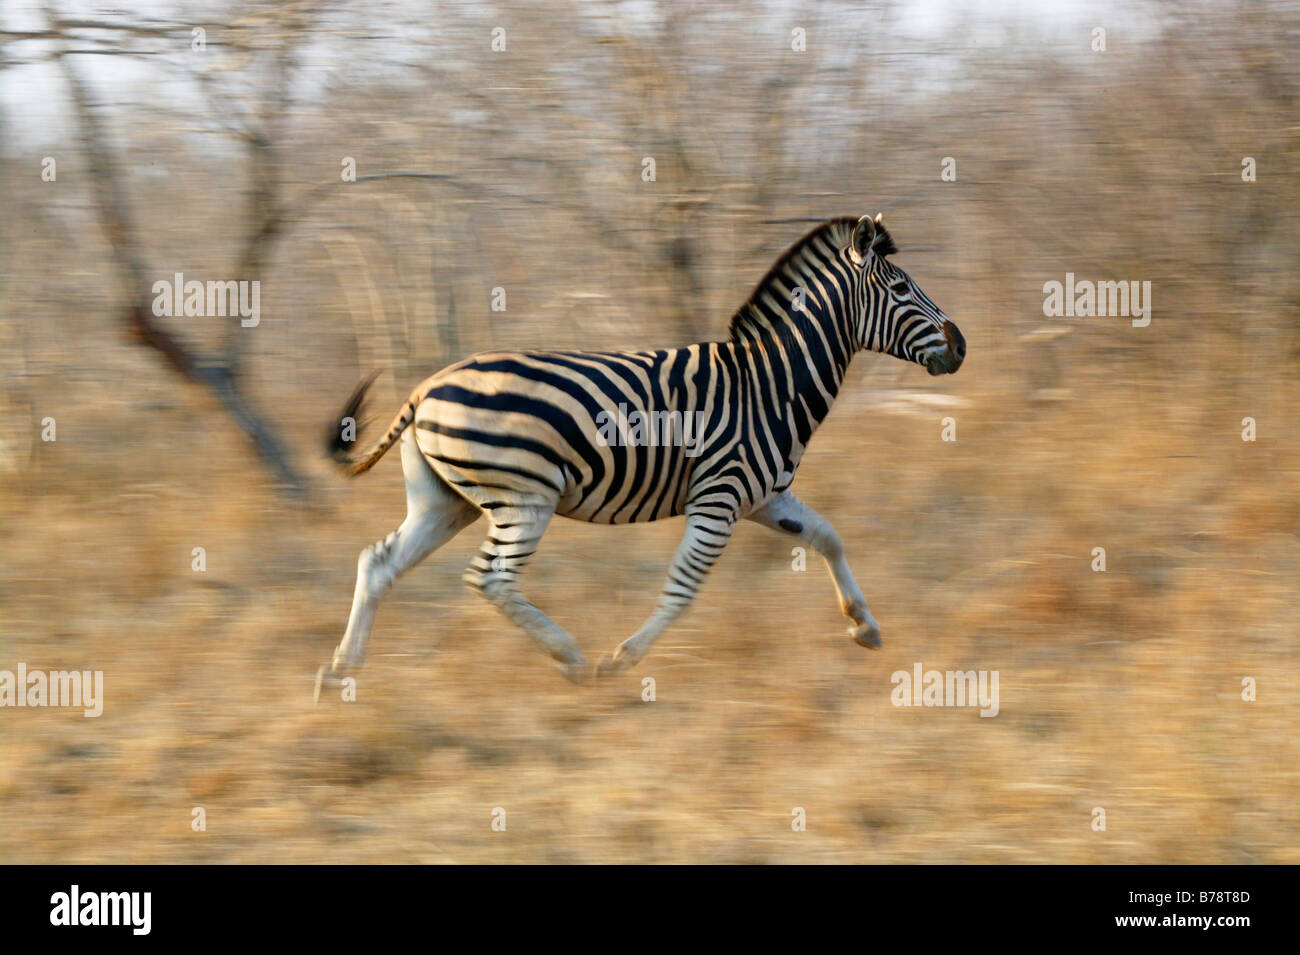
{"points": [[899, 289]]}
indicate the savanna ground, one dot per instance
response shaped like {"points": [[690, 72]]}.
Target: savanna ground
{"points": [[1119, 689]]}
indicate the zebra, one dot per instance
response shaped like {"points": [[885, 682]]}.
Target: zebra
{"points": [[520, 437]]}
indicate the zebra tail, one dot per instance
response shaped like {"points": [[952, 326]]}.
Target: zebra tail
{"points": [[341, 449]]}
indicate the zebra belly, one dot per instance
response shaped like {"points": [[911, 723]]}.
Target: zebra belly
{"points": [[526, 430]]}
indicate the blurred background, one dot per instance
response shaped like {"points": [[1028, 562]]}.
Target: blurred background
{"points": [[1006, 145]]}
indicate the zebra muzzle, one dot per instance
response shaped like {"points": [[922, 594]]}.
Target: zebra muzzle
{"points": [[949, 360]]}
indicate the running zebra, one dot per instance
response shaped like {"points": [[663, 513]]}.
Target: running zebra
{"points": [[713, 431]]}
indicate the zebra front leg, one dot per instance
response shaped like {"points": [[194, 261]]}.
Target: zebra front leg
{"points": [[511, 542], [787, 513], [706, 537]]}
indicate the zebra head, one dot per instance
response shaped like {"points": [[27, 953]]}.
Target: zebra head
{"points": [[896, 317]]}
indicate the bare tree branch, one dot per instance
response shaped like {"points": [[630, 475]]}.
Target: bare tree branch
{"points": [[113, 209]]}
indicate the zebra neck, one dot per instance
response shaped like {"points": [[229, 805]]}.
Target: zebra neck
{"points": [[797, 333], [795, 379]]}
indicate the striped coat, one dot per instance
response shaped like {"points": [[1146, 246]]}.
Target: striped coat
{"points": [[713, 431]]}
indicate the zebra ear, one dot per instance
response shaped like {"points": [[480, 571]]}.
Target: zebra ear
{"points": [[883, 243], [864, 234]]}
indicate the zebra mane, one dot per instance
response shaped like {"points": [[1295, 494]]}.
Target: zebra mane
{"points": [[837, 233]]}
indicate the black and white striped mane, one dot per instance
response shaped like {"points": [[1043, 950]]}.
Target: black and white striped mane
{"points": [[836, 233]]}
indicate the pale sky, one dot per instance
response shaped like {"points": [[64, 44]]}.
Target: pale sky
{"points": [[36, 109]]}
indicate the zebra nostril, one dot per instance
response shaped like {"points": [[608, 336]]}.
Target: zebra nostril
{"points": [[955, 340]]}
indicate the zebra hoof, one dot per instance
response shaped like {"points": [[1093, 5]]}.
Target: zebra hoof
{"points": [[610, 664], [327, 678], [578, 672], [866, 635]]}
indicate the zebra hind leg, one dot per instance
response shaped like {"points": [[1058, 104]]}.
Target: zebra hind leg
{"points": [[512, 539], [434, 515]]}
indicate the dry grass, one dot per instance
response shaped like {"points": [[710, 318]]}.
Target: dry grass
{"points": [[1119, 690]]}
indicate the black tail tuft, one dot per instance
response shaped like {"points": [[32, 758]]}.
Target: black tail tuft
{"points": [[345, 430]]}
